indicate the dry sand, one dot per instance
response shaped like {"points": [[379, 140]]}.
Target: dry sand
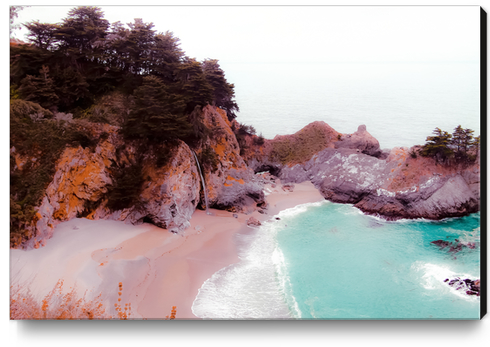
{"points": [[158, 269]]}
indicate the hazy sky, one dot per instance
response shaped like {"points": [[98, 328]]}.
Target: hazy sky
{"points": [[303, 33]]}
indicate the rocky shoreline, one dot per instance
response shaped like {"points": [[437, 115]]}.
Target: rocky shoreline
{"points": [[345, 168]]}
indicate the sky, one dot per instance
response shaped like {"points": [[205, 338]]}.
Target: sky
{"points": [[302, 33]]}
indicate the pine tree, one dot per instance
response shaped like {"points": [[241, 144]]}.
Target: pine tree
{"points": [[40, 89], [223, 92], [438, 146], [157, 115]]}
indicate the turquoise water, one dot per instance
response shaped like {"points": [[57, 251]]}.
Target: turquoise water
{"points": [[329, 261]]}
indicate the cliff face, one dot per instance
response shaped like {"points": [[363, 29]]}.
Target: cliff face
{"points": [[345, 169], [169, 194], [230, 184], [351, 168], [393, 185], [286, 151], [418, 188]]}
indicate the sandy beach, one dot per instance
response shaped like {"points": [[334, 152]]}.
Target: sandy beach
{"points": [[158, 269]]}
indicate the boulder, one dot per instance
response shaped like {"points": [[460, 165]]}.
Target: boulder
{"points": [[361, 141], [253, 222]]}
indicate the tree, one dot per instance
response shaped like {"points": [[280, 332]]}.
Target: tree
{"points": [[223, 92], [41, 35], [461, 142], [39, 89], [136, 48], [157, 115], [14, 13], [165, 56], [438, 146], [82, 33], [192, 84]]}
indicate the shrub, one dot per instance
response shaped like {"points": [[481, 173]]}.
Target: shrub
{"points": [[127, 186], [209, 159], [40, 144], [259, 140]]}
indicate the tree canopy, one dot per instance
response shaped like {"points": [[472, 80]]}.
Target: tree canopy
{"points": [[445, 147], [86, 56]]}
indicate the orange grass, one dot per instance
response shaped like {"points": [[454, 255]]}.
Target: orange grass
{"points": [[57, 305]]}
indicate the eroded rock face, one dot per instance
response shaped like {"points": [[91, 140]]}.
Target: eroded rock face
{"points": [[418, 188], [361, 140], [396, 187], [169, 197], [232, 184]]}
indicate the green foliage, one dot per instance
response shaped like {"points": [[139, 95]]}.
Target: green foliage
{"points": [[39, 89], [259, 140], [200, 132], [437, 146], [20, 109], [38, 142], [223, 92], [156, 114], [192, 85], [41, 35], [413, 154], [81, 33], [111, 108], [126, 188], [445, 147], [208, 159], [299, 147]]}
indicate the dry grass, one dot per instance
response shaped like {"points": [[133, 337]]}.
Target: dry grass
{"points": [[60, 305]]}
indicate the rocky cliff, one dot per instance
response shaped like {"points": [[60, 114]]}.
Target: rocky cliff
{"points": [[169, 193], [352, 168], [346, 168]]}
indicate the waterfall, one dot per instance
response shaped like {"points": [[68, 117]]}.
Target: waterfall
{"points": [[203, 183]]}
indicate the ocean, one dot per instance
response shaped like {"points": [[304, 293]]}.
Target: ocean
{"points": [[330, 261], [400, 103]]}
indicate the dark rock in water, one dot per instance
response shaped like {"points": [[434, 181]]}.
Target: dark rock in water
{"points": [[454, 247], [277, 218], [471, 287], [441, 243], [447, 279]]}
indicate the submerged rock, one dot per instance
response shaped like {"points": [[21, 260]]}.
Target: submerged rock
{"points": [[470, 287]]}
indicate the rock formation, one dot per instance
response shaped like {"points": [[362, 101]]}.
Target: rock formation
{"points": [[352, 169], [345, 169], [361, 140], [231, 183], [170, 193]]}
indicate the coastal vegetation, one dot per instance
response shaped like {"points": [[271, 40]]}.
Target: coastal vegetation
{"points": [[446, 148], [60, 304], [84, 71]]}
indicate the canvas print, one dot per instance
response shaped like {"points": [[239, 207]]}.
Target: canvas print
{"points": [[245, 162]]}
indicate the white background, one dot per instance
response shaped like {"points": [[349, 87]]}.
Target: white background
{"points": [[244, 333]]}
